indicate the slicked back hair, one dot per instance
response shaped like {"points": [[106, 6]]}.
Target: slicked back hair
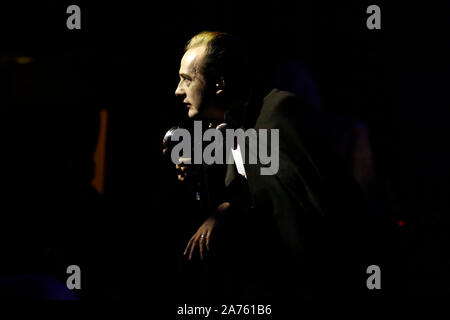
{"points": [[226, 57]]}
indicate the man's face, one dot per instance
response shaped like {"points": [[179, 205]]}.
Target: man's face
{"points": [[193, 87]]}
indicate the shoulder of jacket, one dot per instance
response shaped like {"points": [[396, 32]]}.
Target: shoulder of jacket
{"points": [[276, 103], [277, 95]]}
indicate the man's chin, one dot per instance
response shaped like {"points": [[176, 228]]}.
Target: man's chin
{"points": [[193, 114]]}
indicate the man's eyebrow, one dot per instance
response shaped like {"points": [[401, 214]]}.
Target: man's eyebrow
{"points": [[184, 75]]}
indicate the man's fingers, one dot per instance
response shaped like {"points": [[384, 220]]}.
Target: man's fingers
{"points": [[182, 171], [208, 235], [194, 243], [188, 245], [201, 239], [185, 161], [179, 167]]}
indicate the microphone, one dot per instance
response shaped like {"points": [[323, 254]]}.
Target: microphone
{"points": [[169, 143], [167, 140], [206, 184]]}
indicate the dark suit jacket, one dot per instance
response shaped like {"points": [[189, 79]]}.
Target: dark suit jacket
{"points": [[305, 224]]}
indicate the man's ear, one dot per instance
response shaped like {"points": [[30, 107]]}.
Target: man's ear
{"points": [[220, 86]]}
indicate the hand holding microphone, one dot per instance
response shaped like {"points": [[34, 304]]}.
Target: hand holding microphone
{"points": [[185, 170]]}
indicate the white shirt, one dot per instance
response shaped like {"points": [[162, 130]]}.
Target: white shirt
{"points": [[237, 156]]}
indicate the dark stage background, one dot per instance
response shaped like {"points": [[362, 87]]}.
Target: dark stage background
{"points": [[57, 84]]}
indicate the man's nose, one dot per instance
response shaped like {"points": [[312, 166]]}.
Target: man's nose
{"points": [[179, 91]]}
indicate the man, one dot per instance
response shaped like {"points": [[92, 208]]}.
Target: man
{"points": [[277, 234], [210, 88]]}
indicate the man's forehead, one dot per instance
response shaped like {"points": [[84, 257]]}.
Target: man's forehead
{"points": [[191, 58]]}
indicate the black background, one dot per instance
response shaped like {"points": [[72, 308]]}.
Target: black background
{"points": [[125, 58]]}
